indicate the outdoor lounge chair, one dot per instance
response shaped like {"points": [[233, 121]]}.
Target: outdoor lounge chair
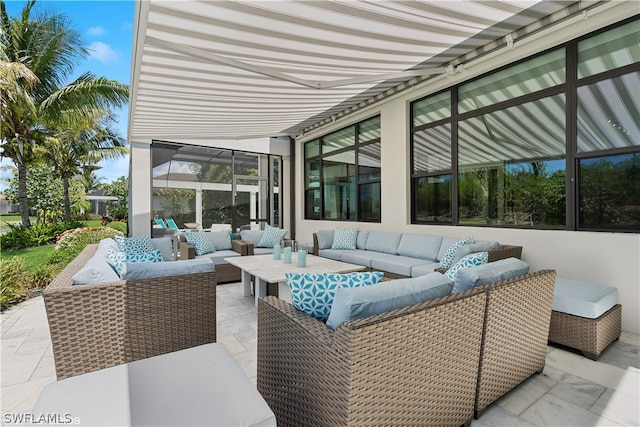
{"points": [[101, 325], [172, 224], [160, 222], [414, 366]]}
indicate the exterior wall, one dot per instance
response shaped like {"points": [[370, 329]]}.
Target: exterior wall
{"points": [[140, 189], [609, 258]]}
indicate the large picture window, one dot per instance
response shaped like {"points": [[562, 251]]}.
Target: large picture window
{"points": [[552, 141], [342, 174], [211, 187]]}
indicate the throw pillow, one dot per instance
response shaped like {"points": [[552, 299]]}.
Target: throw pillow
{"points": [[314, 293], [134, 244], [450, 254], [119, 259], [470, 260], [272, 236], [345, 238], [200, 242]]}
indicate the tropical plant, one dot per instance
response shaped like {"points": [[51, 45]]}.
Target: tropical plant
{"points": [[118, 209], [46, 196], [35, 235], [47, 46], [82, 137]]}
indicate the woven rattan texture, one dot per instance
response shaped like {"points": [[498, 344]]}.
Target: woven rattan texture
{"points": [[591, 336], [97, 326], [415, 366], [515, 335]]}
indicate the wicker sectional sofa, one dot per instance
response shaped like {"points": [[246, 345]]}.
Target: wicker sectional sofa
{"points": [[436, 363], [95, 326], [402, 254], [225, 271]]}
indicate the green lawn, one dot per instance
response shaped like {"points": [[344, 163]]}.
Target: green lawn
{"points": [[4, 219], [34, 257]]}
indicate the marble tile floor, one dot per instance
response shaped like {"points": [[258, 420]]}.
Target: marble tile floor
{"points": [[572, 391]]}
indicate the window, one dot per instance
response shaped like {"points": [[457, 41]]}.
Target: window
{"points": [[195, 184], [497, 150], [342, 174], [608, 192]]}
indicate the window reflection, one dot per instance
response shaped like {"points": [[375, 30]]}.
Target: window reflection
{"points": [[609, 193]]}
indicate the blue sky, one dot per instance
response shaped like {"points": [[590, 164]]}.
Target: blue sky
{"points": [[107, 29]]}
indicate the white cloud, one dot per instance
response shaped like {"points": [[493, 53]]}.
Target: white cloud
{"points": [[102, 52], [96, 31], [114, 169]]}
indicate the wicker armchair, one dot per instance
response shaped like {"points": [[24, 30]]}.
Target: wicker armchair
{"points": [[225, 272], [514, 341], [412, 366], [97, 326]]}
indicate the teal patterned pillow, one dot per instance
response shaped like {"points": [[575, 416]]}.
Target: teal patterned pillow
{"points": [[344, 238], [471, 260], [200, 242], [450, 254], [132, 245], [119, 259], [314, 293], [272, 236]]}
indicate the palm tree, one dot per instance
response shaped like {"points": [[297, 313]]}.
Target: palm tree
{"points": [[79, 139], [90, 178], [48, 47]]}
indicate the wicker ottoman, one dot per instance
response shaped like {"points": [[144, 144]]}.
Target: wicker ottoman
{"points": [[586, 316]]}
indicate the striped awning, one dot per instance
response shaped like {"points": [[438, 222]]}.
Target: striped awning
{"points": [[206, 70]]}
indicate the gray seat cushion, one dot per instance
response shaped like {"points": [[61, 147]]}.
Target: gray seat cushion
{"points": [[383, 241], [361, 257], [165, 246], [331, 253], [148, 270], [325, 239], [491, 272], [364, 301], [218, 256], [583, 299], [396, 264], [423, 246], [427, 267], [477, 246]]}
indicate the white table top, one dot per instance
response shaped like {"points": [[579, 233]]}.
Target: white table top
{"points": [[198, 386], [270, 270]]}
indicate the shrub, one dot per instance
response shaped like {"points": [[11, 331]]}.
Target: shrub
{"points": [[70, 243], [118, 225], [14, 281], [37, 235]]}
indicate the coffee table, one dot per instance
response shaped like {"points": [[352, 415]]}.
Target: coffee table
{"points": [[267, 270]]}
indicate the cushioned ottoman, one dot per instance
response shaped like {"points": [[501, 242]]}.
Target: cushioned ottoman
{"points": [[586, 316]]}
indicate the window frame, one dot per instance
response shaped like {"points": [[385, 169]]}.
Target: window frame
{"points": [[572, 157], [320, 158]]}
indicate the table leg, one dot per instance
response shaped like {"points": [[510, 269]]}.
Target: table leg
{"points": [[261, 289], [283, 291], [246, 283]]}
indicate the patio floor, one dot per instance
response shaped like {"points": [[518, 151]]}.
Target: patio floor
{"points": [[572, 391]]}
